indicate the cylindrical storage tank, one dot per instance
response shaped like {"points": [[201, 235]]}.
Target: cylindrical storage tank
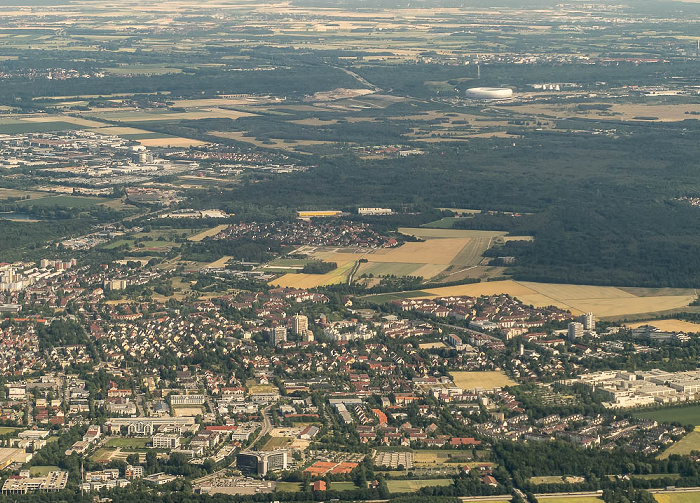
{"points": [[490, 93]]}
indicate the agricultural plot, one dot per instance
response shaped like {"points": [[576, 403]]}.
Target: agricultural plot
{"points": [[617, 111], [208, 233], [603, 301], [568, 499], [218, 264], [11, 193], [679, 497], [18, 126], [410, 486], [669, 325], [339, 275], [78, 202], [683, 415], [485, 380], [443, 252], [688, 444]]}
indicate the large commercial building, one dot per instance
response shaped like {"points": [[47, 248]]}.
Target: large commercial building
{"points": [[187, 399], [52, 481], [489, 93], [164, 441], [260, 463], [374, 211]]}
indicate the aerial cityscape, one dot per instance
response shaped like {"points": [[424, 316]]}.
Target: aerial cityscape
{"points": [[350, 251]]}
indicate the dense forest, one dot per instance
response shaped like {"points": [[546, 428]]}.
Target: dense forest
{"points": [[602, 209]]}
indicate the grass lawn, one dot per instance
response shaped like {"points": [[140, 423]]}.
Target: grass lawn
{"points": [[40, 471], [654, 476], [686, 445], [129, 443], [4, 430], [550, 479], [290, 487], [409, 486], [683, 415], [277, 442], [342, 486]]}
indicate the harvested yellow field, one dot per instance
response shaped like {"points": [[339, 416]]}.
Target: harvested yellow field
{"points": [[669, 325], [603, 301], [485, 380], [303, 281], [478, 289], [171, 142], [624, 111], [432, 251], [208, 233], [428, 233], [682, 496], [218, 264], [117, 130], [429, 270], [338, 258]]}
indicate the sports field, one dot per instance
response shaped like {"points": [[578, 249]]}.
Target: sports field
{"points": [[686, 445], [485, 380], [186, 411], [425, 458], [410, 486]]}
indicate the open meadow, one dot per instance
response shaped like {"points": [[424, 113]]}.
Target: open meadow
{"points": [[686, 445]]}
